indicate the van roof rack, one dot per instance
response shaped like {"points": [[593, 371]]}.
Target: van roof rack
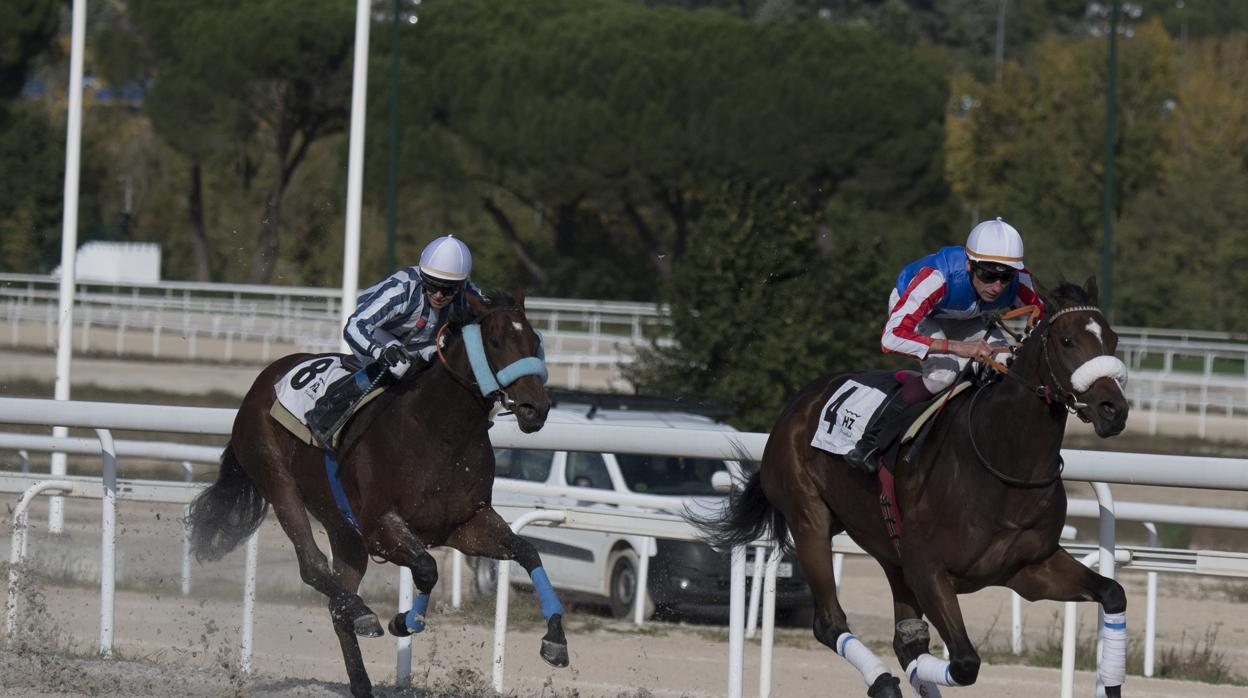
{"points": [[640, 403]]}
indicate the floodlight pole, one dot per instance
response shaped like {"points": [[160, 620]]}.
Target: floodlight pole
{"points": [[355, 167], [69, 245], [1107, 236]]}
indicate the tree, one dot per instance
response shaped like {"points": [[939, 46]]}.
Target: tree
{"points": [[1030, 148], [765, 301], [609, 122], [249, 71], [1183, 247]]}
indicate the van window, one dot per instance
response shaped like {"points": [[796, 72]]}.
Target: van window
{"points": [[588, 470], [521, 464], [669, 474]]}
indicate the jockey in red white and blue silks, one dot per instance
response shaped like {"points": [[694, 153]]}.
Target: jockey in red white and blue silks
{"points": [[935, 315], [935, 310]]}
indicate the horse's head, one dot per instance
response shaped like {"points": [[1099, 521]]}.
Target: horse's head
{"points": [[514, 367], [1078, 346]]}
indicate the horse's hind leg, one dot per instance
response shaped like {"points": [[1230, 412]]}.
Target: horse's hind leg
{"points": [[350, 561], [1063, 578], [487, 534], [395, 542], [812, 533]]}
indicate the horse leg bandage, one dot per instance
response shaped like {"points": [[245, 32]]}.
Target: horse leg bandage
{"points": [[864, 660], [1114, 649], [545, 593], [928, 669], [415, 618]]}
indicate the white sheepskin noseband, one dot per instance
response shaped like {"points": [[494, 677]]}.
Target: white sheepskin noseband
{"points": [[1095, 369]]}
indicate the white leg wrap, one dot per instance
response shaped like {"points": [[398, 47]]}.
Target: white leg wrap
{"points": [[1114, 649], [922, 689], [929, 669], [864, 660]]}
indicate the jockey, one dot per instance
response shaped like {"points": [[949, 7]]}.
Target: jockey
{"points": [[935, 316], [394, 327]]}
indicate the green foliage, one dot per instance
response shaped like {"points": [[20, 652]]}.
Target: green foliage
{"points": [[29, 26], [32, 156], [612, 121], [764, 302], [1030, 148]]}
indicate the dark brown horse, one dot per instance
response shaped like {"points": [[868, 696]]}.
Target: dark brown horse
{"points": [[417, 468], [983, 502]]}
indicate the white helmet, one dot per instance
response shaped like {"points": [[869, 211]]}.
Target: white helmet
{"points": [[995, 242], [447, 259]]}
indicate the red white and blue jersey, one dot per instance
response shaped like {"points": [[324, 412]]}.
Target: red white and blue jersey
{"points": [[939, 286], [394, 308]]}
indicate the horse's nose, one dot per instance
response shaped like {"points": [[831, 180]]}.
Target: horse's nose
{"points": [[1108, 408]]}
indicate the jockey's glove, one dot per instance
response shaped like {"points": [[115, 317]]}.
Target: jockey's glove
{"points": [[396, 359]]}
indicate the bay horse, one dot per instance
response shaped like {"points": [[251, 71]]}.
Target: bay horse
{"points": [[982, 501], [417, 469]]}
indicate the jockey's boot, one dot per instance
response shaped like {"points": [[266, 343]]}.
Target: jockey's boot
{"points": [[330, 412], [864, 455]]}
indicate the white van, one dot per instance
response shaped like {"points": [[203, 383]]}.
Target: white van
{"points": [[684, 575]]}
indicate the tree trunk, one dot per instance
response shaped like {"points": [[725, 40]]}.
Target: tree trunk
{"points": [[265, 254], [199, 236], [513, 239]]}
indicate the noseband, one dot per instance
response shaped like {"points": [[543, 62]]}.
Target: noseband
{"points": [[1046, 391], [490, 383]]}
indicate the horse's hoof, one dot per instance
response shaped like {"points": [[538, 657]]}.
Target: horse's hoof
{"points": [[885, 686], [555, 653], [367, 625], [398, 626]]}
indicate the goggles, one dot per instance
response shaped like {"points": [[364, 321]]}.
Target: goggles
{"points": [[436, 287], [992, 274]]}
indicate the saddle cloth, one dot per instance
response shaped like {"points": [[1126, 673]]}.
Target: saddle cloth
{"points": [[855, 405], [303, 385]]}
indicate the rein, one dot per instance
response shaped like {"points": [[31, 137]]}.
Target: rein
{"points": [[1044, 391], [489, 383]]}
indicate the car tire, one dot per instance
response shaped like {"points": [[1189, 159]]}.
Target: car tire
{"points": [[622, 585], [485, 576]]}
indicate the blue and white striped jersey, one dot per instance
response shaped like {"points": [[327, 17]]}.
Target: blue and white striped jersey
{"points": [[396, 309]]}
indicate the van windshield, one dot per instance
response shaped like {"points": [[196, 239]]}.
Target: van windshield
{"points": [[669, 474]]}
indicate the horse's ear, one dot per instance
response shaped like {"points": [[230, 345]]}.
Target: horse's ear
{"points": [[518, 296], [1043, 292], [476, 304], [1090, 287]]}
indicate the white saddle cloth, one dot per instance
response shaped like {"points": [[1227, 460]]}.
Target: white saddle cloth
{"points": [[845, 416], [304, 384]]}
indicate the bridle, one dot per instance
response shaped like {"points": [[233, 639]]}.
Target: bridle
{"points": [[1049, 392], [491, 384]]}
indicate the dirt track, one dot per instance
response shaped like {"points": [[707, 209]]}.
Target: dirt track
{"points": [[193, 640]]}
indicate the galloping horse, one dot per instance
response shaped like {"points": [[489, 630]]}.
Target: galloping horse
{"points": [[417, 469], [983, 502]]}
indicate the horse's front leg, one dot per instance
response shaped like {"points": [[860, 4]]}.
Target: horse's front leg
{"points": [[393, 541], [486, 534], [911, 639], [1060, 577], [934, 591]]}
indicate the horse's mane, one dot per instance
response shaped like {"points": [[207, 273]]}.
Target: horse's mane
{"points": [[462, 315], [1067, 295]]}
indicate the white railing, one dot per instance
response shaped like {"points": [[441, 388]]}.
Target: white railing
{"points": [[1081, 465]]}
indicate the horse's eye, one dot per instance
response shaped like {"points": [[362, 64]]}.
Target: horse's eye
{"points": [[1066, 342]]}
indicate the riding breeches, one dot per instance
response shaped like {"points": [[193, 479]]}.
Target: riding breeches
{"points": [[940, 370]]}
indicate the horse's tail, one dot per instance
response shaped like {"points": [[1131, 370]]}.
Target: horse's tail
{"points": [[748, 517], [227, 513]]}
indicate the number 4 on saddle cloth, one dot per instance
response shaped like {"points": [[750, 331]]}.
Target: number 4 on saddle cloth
{"points": [[858, 403]]}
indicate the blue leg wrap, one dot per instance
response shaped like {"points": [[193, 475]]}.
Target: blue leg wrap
{"points": [[546, 593], [415, 618]]}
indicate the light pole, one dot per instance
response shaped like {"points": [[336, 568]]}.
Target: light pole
{"points": [[398, 16], [1107, 235]]}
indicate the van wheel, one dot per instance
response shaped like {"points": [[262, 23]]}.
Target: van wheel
{"points": [[623, 586], [485, 576]]}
